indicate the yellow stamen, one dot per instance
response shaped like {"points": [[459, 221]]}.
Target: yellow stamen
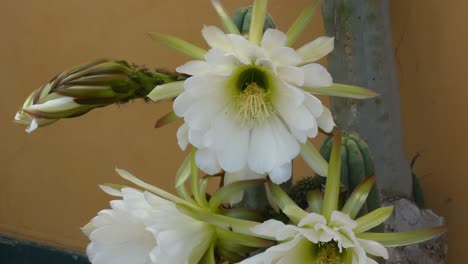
{"points": [[328, 254], [253, 105]]}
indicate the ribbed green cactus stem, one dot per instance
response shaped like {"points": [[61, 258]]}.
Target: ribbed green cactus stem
{"points": [[95, 84], [357, 164]]}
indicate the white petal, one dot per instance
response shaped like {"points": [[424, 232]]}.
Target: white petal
{"points": [[221, 62], [287, 95], [32, 126], [262, 149], [200, 114], [206, 160], [316, 49], [291, 74], [216, 38], [287, 146], [245, 51], [110, 190], [52, 103], [195, 67], [325, 121], [315, 75], [339, 219], [232, 143], [281, 174], [313, 104], [311, 219], [273, 38], [374, 248], [182, 136], [285, 56], [182, 103]]}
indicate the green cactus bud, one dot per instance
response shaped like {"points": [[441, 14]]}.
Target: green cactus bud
{"points": [[357, 164], [243, 16], [96, 84]]}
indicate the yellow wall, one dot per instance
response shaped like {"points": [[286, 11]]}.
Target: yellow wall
{"points": [[49, 185]]}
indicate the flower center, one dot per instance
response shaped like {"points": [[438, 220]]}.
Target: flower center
{"points": [[328, 254], [253, 105], [253, 95]]}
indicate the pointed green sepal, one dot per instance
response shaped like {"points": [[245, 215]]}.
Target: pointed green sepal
{"points": [[244, 213], [373, 219], [332, 186], [300, 23], [258, 20], [87, 229], [159, 192], [224, 193], [221, 221], [166, 119], [285, 203], [342, 90], [404, 238], [316, 49], [166, 91], [183, 173], [227, 21], [315, 200], [357, 199], [313, 158], [209, 257], [180, 45], [242, 239]]}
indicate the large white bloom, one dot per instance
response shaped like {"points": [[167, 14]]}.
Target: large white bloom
{"points": [[243, 105], [143, 228], [311, 231]]}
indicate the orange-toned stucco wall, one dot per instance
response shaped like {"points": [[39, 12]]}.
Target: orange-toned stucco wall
{"points": [[49, 181]]}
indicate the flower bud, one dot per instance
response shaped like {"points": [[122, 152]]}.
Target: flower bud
{"points": [[77, 91]]}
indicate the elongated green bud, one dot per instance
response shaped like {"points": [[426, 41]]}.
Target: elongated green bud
{"points": [[96, 84]]}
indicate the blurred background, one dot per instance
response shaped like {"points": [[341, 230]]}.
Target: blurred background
{"points": [[48, 186]]}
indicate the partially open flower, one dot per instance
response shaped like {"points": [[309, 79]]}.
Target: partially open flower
{"points": [[77, 91]]}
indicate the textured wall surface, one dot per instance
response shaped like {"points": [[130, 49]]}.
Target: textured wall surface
{"points": [[49, 182]]}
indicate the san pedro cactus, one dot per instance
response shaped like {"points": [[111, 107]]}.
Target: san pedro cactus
{"points": [[357, 164]]}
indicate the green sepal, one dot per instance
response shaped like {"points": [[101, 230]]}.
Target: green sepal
{"points": [[332, 186], [166, 119], [285, 203], [313, 158], [300, 23], [180, 45], [358, 197], [403, 238], [342, 90], [373, 219], [227, 21]]}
